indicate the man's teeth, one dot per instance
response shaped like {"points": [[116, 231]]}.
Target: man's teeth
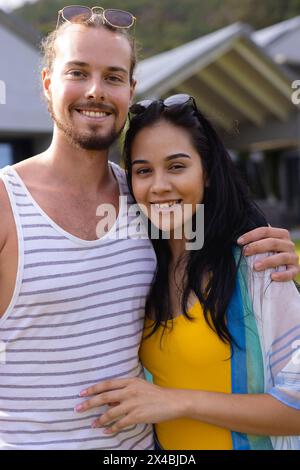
{"points": [[166, 205], [94, 114]]}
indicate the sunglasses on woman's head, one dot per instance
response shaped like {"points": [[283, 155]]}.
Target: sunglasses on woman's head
{"points": [[174, 100], [111, 17]]}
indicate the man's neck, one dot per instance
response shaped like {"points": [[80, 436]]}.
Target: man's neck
{"points": [[77, 169]]}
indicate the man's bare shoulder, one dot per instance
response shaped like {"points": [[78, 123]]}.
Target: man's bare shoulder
{"points": [[5, 215], [30, 164]]}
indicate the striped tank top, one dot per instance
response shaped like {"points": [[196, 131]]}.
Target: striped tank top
{"points": [[76, 318]]}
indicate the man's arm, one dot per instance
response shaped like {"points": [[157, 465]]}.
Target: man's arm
{"points": [[4, 207], [269, 239], [7, 227]]}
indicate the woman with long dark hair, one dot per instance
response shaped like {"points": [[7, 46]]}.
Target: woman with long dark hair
{"points": [[220, 339]]}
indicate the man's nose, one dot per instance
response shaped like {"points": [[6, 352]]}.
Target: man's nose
{"points": [[95, 90]]}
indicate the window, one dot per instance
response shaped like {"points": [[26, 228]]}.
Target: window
{"points": [[6, 155]]}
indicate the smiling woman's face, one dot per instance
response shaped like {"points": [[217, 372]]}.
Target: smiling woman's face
{"points": [[167, 174]]}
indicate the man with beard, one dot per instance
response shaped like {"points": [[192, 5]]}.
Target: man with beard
{"points": [[72, 301]]}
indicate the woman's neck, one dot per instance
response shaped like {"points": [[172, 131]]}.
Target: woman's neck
{"points": [[177, 248]]}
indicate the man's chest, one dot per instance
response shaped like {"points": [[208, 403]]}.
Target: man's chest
{"points": [[77, 215]]}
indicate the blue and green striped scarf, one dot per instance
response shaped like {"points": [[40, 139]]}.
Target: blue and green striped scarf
{"points": [[247, 370]]}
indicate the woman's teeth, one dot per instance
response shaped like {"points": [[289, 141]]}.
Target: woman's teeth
{"points": [[166, 205]]}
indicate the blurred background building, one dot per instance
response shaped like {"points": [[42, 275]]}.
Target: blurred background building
{"points": [[25, 127]]}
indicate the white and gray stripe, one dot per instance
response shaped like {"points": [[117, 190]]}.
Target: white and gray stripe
{"points": [[76, 318]]}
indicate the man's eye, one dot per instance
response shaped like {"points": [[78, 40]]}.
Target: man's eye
{"points": [[115, 78], [76, 73]]}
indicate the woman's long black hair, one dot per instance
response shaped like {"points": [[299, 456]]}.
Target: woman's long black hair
{"points": [[228, 213]]}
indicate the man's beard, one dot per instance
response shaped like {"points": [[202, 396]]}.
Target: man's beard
{"points": [[89, 141]]}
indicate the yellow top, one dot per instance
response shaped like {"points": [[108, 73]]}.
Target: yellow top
{"points": [[190, 356]]}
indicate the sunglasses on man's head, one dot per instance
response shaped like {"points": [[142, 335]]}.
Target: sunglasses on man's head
{"points": [[174, 100], [111, 17]]}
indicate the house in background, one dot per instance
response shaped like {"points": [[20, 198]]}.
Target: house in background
{"points": [[242, 86], [281, 43], [25, 127]]}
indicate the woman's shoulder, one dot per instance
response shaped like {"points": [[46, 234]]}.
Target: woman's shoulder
{"points": [[252, 262], [262, 286]]}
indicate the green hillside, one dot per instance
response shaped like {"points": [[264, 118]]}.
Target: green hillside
{"points": [[165, 24]]}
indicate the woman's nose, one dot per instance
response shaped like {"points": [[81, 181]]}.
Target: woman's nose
{"points": [[160, 184]]}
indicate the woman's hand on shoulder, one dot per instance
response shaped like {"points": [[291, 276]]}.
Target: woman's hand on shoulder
{"points": [[270, 239]]}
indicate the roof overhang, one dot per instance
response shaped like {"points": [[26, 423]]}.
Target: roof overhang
{"points": [[17, 26], [232, 78]]}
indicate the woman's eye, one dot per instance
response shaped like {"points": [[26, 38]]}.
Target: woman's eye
{"points": [[176, 167], [142, 171]]}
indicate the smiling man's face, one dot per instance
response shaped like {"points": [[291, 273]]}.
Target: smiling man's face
{"points": [[89, 88]]}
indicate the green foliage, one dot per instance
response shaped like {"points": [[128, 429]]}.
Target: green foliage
{"points": [[258, 13], [164, 24]]}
